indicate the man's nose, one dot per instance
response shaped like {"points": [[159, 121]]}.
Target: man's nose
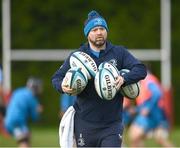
{"points": [[99, 31]]}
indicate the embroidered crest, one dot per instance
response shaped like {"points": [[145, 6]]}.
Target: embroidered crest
{"points": [[98, 22], [81, 141], [120, 136], [113, 62]]}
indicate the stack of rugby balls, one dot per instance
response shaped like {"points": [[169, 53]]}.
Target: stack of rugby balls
{"points": [[83, 67], [130, 91], [105, 81]]}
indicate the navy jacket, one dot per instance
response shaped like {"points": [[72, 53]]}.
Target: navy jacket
{"points": [[89, 106]]}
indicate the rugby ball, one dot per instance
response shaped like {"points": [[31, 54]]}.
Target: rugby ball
{"points": [[130, 91], [105, 84], [75, 79], [85, 62], [109, 66]]}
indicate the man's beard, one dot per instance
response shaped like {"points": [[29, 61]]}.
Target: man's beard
{"points": [[99, 42]]}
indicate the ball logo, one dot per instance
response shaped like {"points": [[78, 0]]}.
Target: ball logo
{"points": [[89, 60], [74, 64], [79, 86], [108, 82], [131, 91]]}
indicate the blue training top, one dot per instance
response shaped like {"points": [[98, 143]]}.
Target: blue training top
{"points": [[23, 104], [1, 76], [66, 101], [156, 112], [89, 106]]}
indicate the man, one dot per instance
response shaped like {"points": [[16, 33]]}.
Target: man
{"points": [[97, 122], [23, 104], [150, 116]]}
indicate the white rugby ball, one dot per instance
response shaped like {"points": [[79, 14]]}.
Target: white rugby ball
{"points": [[109, 66], [130, 91], [85, 62], [75, 79], [105, 84]]}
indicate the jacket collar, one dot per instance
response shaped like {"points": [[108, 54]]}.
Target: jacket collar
{"points": [[86, 47]]}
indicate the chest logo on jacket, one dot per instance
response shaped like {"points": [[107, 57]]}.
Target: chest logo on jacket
{"points": [[113, 62]]}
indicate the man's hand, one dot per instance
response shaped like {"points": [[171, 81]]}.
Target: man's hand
{"points": [[119, 82], [66, 88]]}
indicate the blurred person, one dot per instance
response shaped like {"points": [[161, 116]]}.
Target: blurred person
{"points": [[65, 102], [98, 122], [2, 107], [24, 104], [1, 86], [129, 111], [150, 118]]}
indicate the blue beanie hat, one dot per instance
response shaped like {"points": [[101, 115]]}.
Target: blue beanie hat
{"points": [[94, 20]]}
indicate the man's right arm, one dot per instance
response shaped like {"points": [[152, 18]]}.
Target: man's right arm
{"points": [[58, 76]]}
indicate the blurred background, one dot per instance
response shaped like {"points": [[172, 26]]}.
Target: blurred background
{"points": [[55, 24]]}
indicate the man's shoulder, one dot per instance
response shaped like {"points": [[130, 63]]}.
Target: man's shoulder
{"points": [[83, 47], [116, 46], [19, 90], [120, 47]]}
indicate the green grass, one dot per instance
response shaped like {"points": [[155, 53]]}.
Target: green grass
{"points": [[174, 138], [41, 137], [48, 137]]}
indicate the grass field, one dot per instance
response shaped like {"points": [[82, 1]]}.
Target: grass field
{"points": [[48, 137]]}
